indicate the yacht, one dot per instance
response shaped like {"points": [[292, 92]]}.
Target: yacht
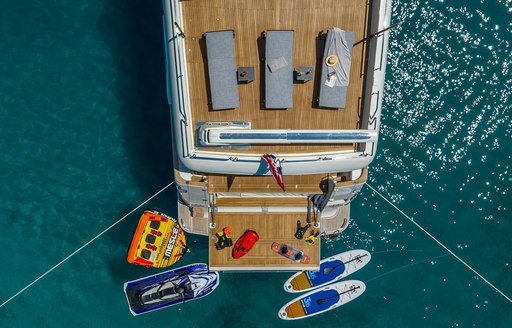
{"points": [[275, 113]]}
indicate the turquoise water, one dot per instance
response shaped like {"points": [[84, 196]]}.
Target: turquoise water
{"points": [[85, 138]]}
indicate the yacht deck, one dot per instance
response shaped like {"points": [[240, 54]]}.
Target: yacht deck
{"points": [[230, 198], [249, 19]]}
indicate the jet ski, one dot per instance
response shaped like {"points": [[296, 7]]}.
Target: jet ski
{"points": [[170, 288]]}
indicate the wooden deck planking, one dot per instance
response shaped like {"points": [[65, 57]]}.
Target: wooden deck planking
{"points": [[249, 20], [262, 201], [251, 184], [278, 227]]}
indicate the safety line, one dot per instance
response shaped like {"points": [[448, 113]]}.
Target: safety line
{"points": [[441, 244], [405, 266], [85, 245]]}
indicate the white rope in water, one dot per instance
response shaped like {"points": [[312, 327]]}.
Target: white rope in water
{"points": [[85, 245], [441, 244], [405, 266]]}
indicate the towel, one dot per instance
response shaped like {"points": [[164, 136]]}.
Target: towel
{"points": [[337, 45]]}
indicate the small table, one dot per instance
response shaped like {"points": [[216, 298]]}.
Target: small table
{"points": [[245, 74], [304, 73]]}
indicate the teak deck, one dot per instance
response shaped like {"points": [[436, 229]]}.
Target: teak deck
{"points": [[256, 184], [249, 19], [270, 227]]}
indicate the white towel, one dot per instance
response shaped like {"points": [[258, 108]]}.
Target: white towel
{"points": [[337, 45]]}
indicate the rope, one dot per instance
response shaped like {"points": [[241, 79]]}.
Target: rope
{"points": [[85, 245], [405, 266], [441, 244]]}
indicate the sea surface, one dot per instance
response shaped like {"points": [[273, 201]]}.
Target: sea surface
{"points": [[85, 138]]}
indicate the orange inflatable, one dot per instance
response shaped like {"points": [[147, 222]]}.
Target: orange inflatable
{"points": [[158, 241]]}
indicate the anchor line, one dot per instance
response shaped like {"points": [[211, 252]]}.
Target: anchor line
{"points": [[84, 245], [441, 244], [406, 266]]}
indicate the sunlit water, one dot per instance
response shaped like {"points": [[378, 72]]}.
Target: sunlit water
{"points": [[84, 138]]}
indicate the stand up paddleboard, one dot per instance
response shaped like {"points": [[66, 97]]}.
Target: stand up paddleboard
{"points": [[322, 300], [331, 269]]}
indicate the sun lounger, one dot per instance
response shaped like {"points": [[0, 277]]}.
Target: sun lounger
{"points": [[335, 73], [220, 51], [278, 69]]}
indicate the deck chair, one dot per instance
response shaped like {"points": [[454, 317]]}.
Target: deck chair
{"points": [[335, 68], [220, 51], [278, 69]]}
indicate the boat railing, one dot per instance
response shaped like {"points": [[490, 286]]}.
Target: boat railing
{"points": [[184, 140], [376, 43], [176, 73], [380, 38]]}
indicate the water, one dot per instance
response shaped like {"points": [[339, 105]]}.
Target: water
{"points": [[84, 138]]}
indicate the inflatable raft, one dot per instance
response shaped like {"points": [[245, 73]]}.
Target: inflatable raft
{"points": [[158, 241]]}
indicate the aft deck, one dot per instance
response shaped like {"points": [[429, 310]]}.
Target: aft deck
{"points": [[271, 227], [249, 19]]}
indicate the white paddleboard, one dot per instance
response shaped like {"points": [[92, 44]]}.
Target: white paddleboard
{"points": [[332, 269], [321, 300]]}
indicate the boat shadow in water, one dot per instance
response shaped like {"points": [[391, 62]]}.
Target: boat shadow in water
{"points": [[135, 43], [138, 56]]}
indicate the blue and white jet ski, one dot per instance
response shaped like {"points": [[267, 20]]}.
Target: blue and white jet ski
{"points": [[170, 288]]}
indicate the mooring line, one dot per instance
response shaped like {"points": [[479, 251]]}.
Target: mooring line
{"points": [[405, 250], [440, 243], [406, 266], [85, 245]]}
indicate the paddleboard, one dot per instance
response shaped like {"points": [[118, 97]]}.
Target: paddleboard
{"points": [[331, 269], [322, 300]]}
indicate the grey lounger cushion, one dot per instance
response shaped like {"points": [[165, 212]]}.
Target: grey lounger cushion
{"points": [[339, 43], [220, 51], [278, 69]]}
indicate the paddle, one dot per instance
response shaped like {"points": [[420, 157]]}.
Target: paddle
{"points": [[323, 300], [357, 259]]}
